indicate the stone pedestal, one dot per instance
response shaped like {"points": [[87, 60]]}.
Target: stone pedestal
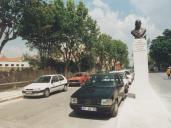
{"points": [[140, 60]]}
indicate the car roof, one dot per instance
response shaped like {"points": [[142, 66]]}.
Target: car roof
{"points": [[52, 75], [104, 73], [120, 71], [81, 73], [126, 70]]}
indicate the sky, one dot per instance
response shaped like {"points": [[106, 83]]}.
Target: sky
{"points": [[116, 18]]}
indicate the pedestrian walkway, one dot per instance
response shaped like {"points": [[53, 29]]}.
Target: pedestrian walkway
{"points": [[143, 111], [10, 95]]}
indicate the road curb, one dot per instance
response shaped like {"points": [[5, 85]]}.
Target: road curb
{"points": [[9, 99]]}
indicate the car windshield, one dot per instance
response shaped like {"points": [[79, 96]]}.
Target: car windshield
{"points": [[42, 79], [127, 72], [101, 80]]}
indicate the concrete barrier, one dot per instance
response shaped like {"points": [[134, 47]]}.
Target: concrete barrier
{"points": [[13, 85]]}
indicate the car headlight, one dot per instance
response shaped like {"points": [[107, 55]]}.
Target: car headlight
{"points": [[73, 100], [106, 102]]}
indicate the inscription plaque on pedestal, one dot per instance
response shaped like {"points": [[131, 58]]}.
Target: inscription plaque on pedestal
{"points": [[139, 45], [140, 60]]}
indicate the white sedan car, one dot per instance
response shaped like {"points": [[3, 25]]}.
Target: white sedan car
{"points": [[129, 76], [124, 78], [45, 85]]}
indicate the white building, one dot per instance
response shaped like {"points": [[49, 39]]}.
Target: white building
{"points": [[15, 63]]}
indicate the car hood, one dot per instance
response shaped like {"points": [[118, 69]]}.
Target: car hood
{"points": [[125, 81], [37, 85], [94, 92], [75, 78]]}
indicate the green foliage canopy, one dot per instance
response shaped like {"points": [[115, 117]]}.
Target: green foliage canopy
{"points": [[64, 31], [160, 49], [10, 16]]}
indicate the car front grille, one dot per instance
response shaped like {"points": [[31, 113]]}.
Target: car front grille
{"points": [[89, 101], [29, 89], [75, 81]]}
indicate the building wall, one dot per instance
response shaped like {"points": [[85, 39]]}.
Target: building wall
{"points": [[5, 66]]}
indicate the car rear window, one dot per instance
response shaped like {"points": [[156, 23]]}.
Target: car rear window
{"points": [[79, 74]]}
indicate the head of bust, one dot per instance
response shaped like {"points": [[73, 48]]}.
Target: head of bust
{"points": [[138, 32], [137, 24]]}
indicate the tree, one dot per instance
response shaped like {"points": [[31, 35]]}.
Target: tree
{"points": [[160, 49], [109, 51], [63, 31], [59, 28], [10, 16], [101, 48], [33, 61], [78, 31], [36, 28], [121, 52]]}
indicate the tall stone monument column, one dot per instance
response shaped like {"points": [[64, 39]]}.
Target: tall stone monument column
{"points": [[140, 54], [140, 60]]}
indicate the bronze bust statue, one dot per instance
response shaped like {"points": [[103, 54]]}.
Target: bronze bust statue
{"points": [[138, 32]]}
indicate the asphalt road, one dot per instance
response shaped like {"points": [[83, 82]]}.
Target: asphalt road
{"points": [[162, 86], [54, 111], [51, 112]]}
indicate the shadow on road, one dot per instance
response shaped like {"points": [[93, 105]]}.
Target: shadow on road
{"points": [[131, 95], [40, 97], [88, 115]]}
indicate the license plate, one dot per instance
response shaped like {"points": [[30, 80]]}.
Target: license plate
{"points": [[89, 109], [28, 92]]}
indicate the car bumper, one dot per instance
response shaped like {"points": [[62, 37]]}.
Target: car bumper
{"points": [[99, 109], [32, 93]]}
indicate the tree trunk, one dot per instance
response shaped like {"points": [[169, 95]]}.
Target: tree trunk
{"points": [[66, 68], [6, 39], [79, 67], [2, 45]]}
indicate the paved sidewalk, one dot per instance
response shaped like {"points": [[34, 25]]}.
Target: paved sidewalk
{"points": [[10, 95], [144, 111]]}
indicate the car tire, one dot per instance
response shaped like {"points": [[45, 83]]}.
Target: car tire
{"points": [[77, 112], [47, 93], [25, 97], [65, 88], [115, 109], [126, 90]]}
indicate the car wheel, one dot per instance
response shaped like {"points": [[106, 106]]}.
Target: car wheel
{"points": [[65, 88], [46, 93], [25, 97], [77, 112], [115, 109], [126, 89]]}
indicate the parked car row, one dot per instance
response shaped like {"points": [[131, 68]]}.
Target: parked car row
{"points": [[46, 84], [127, 77], [100, 93]]}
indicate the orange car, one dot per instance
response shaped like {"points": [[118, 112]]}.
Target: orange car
{"points": [[79, 78]]}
